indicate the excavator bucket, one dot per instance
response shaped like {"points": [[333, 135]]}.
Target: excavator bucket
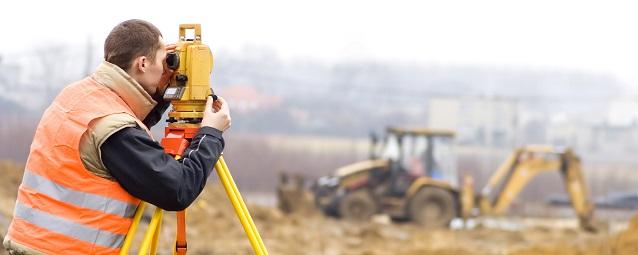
{"points": [[292, 194]]}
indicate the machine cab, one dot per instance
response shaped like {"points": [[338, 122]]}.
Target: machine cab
{"points": [[418, 153]]}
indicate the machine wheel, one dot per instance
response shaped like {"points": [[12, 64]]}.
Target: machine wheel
{"points": [[433, 207], [357, 205]]}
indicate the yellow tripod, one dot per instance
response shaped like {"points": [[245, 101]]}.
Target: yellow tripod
{"points": [[151, 237]]}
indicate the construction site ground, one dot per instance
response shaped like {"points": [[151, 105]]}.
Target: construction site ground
{"points": [[213, 228]]}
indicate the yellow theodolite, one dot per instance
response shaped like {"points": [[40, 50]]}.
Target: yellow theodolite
{"points": [[190, 85], [188, 90]]}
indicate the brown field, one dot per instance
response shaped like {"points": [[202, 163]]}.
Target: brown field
{"points": [[214, 229], [255, 161]]}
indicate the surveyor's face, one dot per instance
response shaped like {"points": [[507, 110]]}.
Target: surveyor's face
{"points": [[153, 71]]}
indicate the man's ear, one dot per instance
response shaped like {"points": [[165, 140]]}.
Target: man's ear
{"points": [[141, 63]]}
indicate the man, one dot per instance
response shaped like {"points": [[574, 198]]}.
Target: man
{"points": [[92, 158]]}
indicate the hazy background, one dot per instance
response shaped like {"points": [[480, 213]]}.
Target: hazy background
{"points": [[308, 81]]}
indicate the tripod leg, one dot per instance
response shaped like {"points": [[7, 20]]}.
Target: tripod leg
{"points": [[131, 232], [180, 238], [156, 235], [243, 205], [240, 207], [152, 228]]}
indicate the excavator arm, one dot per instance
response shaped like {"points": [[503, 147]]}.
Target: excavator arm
{"points": [[526, 163], [576, 187]]}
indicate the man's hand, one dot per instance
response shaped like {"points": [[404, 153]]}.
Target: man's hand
{"points": [[216, 114]]}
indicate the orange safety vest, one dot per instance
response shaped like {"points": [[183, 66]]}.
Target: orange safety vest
{"points": [[62, 208]]}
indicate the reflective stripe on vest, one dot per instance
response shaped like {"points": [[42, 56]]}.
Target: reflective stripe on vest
{"points": [[78, 198], [68, 228]]}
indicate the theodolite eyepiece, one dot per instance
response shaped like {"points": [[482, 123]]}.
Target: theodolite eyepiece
{"points": [[172, 60]]}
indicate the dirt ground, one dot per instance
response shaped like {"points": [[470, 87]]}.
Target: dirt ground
{"points": [[214, 229], [311, 233]]}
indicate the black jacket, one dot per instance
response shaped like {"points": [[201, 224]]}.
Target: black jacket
{"points": [[144, 170]]}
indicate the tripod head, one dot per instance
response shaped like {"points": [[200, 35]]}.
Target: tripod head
{"points": [[189, 86]]}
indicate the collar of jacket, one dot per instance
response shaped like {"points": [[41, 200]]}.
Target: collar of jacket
{"points": [[126, 87]]}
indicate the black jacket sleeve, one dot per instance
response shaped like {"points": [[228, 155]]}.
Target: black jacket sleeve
{"points": [[140, 165], [156, 113]]}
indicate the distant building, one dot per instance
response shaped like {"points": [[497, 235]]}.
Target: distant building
{"points": [[613, 131], [573, 134], [615, 139], [619, 132], [244, 98], [486, 121]]}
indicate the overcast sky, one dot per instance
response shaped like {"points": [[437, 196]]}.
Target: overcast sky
{"points": [[596, 36]]}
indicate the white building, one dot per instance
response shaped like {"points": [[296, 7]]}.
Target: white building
{"points": [[486, 121]]}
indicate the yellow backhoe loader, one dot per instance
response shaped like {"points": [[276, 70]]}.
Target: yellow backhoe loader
{"points": [[412, 175]]}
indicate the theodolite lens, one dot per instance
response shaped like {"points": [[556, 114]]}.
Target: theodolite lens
{"points": [[172, 60]]}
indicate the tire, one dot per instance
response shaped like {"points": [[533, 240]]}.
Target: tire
{"points": [[433, 207], [357, 206]]}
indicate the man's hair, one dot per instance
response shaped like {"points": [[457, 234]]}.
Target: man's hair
{"points": [[129, 40]]}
